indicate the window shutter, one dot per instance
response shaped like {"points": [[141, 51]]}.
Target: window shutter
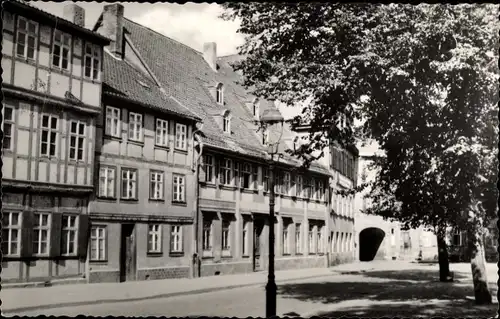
{"points": [[55, 235], [27, 234], [171, 237], [83, 235]]}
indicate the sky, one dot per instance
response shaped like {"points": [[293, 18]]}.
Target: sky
{"points": [[192, 24]]}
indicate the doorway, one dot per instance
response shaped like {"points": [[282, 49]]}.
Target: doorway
{"points": [[369, 243], [127, 253], [257, 243]]}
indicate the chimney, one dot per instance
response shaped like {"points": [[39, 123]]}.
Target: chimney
{"points": [[112, 28], [210, 54], [75, 14]]}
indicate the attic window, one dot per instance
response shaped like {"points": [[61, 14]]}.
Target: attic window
{"points": [[219, 96], [226, 124], [143, 84]]}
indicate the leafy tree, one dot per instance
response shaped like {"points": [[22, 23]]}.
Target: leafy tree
{"points": [[422, 78]]}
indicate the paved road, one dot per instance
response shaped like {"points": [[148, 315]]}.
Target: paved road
{"points": [[382, 283]]}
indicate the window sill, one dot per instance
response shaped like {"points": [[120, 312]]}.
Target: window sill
{"points": [[207, 255], [245, 256], [25, 59], [179, 203], [228, 187], [59, 70], [226, 257], [249, 191], [132, 200], [162, 147], [159, 200], [6, 151], [112, 137], [180, 150], [106, 199], [97, 262], [207, 184], [76, 161], [287, 254], [299, 254], [136, 142], [176, 254], [154, 254], [48, 158]]}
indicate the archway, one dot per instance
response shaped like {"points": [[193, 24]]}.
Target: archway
{"points": [[369, 243]]}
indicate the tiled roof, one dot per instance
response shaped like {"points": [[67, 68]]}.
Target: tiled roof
{"points": [[123, 80], [184, 74]]}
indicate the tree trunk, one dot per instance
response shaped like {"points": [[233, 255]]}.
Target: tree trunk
{"points": [[478, 266], [444, 263]]}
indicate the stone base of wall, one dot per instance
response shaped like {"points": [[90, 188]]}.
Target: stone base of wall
{"points": [[226, 268], [163, 273], [104, 276], [300, 263], [340, 258]]}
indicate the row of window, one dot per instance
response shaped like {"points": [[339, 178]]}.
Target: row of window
{"points": [[42, 226], [343, 206], [136, 127], [344, 162], [26, 47], [246, 175], [98, 240], [49, 137], [129, 184]]}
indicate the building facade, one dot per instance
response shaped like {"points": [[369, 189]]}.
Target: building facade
{"points": [[52, 71]]}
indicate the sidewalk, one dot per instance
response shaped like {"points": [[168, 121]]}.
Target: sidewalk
{"points": [[25, 299]]}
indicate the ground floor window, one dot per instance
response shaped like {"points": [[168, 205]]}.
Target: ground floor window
{"points": [[207, 234], [245, 238], [176, 239], [319, 239], [154, 238], [11, 231], [226, 237], [312, 241], [41, 233], [286, 237], [98, 243], [298, 239], [69, 232]]}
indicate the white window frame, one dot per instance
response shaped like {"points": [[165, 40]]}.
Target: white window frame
{"points": [[180, 136], [225, 173], [226, 124], [79, 140], [154, 238], [286, 239], [9, 229], [299, 186], [298, 239], [265, 179], [38, 230], [246, 172], [107, 182], [96, 238], [312, 239], [245, 238], [52, 135], [135, 126], [207, 235], [219, 94], [287, 183], [93, 57], [63, 42], [10, 122], [33, 34], [176, 244], [128, 183], [226, 237], [161, 137], [69, 229], [179, 189], [113, 121], [319, 239], [320, 191], [208, 162], [156, 185]]}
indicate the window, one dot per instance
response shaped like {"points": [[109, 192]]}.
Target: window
{"points": [[226, 239], [266, 179], [209, 168], [320, 194], [69, 231], [129, 183], [245, 238], [286, 240], [319, 239], [176, 239], [207, 235], [135, 126], [98, 243], [49, 135], [255, 176], [298, 239], [11, 231], [226, 124], [393, 237], [313, 194], [457, 238], [265, 136], [112, 121], [156, 185], [107, 182], [92, 61], [278, 182], [312, 248], [161, 132], [299, 186], [246, 175], [7, 126], [41, 233], [26, 38], [76, 140], [61, 50], [307, 188], [225, 177], [256, 109], [180, 136], [154, 238], [341, 244], [179, 188], [286, 183], [236, 173], [219, 95]]}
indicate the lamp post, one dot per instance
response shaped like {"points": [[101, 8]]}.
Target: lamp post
{"points": [[270, 117]]}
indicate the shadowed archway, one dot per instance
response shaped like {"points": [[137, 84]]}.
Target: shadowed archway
{"points": [[369, 243]]}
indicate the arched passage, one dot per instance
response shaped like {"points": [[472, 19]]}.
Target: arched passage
{"points": [[369, 243]]}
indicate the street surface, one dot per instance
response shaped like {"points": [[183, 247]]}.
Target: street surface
{"points": [[378, 289]]}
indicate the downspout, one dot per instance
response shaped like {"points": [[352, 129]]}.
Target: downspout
{"points": [[196, 169]]}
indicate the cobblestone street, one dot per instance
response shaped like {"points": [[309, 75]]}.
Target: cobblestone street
{"points": [[367, 289]]}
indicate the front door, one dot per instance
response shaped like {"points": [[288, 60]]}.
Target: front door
{"points": [[258, 227], [127, 253]]}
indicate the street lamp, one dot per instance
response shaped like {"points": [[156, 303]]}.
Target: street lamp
{"points": [[269, 118]]}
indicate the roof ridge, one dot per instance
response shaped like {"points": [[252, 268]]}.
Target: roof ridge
{"points": [[161, 34]]}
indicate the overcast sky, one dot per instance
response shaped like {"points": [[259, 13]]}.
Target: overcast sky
{"points": [[190, 23]]}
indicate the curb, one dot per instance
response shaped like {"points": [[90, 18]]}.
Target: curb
{"points": [[160, 296]]}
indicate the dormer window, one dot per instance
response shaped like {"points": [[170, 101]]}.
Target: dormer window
{"points": [[226, 124], [219, 95]]}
